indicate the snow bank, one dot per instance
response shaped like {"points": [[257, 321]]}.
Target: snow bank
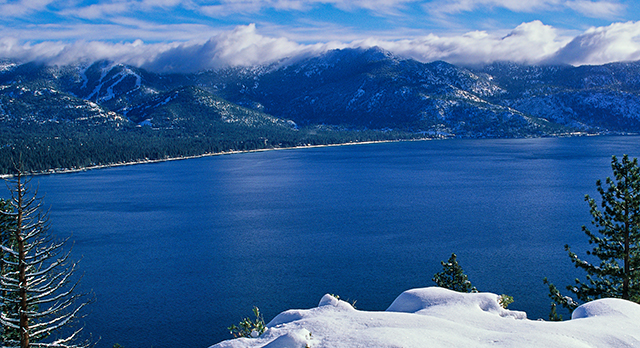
{"points": [[437, 317], [444, 302]]}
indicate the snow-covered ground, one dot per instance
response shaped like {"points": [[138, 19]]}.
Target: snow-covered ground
{"points": [[437, 317]]}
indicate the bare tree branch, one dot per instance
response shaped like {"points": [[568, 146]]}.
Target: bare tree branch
{"points": [[37, 293]]}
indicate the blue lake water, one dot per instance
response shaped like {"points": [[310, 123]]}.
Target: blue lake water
{"points": [[177, 251]]}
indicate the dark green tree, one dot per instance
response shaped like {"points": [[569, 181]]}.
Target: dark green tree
{"points": [[553, 315], [452, 277], [616, 241], [7, 224], [39, 297]]}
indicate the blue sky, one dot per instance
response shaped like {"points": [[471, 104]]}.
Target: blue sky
{"points": [[159, 33]]}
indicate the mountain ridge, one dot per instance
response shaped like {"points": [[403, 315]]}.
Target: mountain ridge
{"points": [[347, 95]]}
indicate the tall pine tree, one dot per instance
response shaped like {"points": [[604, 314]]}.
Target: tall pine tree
{"points": [[616, 240], [38, 297], [7, 224]]}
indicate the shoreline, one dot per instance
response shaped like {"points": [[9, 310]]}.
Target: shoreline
{"points": [[234, 152]]}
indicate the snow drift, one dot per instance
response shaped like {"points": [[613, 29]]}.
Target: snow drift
{"points": [[437, 317]]}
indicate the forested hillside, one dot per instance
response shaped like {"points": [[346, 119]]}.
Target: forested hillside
{"points": [[69, 117]]}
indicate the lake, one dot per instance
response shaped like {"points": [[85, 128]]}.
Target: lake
{"points": [[177, 251]]}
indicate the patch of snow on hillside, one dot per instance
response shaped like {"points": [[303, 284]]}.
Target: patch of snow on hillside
{"points": [[146, 122], [167, 99], [437, 317], [7, 66], [138, 77], [83, 74], [96, 91], [121, 76], [359, 93]]}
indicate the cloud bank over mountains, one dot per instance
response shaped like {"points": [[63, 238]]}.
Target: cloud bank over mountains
{"points": [[192, 35], [528, 43]]}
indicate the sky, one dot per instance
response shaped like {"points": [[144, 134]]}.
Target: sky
{"points": [[162, 34]]}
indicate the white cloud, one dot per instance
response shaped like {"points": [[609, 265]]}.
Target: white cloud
{"points": [[456, 6], [97, 11], [105, 9], [163, 3], [219, 11], [122, 29], [241, 47], [376, 6], [22, 7], [595, 9], [529, 43], [613, 43], [229, 7], [57, 53]]}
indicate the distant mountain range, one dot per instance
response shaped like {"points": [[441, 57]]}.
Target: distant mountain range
{"points": [[362, 94]]}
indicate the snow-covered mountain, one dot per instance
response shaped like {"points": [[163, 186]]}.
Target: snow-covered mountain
{"points": [[375, 89], [588, 97], [349, 95], [372, 89]]}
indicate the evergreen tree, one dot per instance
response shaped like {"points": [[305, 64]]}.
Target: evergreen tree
{"points": [[453, 277], [38, 296], [553, 315], [6, 226], [7, 260], [616, 241]]}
